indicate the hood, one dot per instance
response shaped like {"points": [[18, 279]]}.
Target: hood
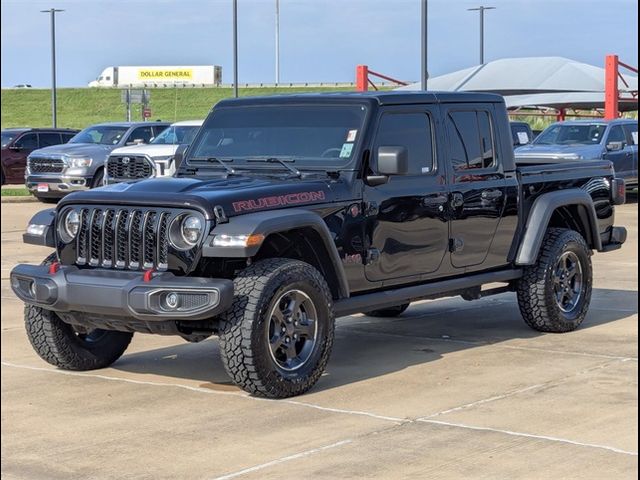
{"points": [[236, 195], [95, 151], [155, 150], [561, 152]]}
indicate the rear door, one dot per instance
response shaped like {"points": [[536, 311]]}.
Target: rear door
{"points": [[407, 229], [477, 183], [631, 129]]}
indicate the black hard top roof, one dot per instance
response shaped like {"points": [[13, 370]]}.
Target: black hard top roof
{"points": [[379, 98]]}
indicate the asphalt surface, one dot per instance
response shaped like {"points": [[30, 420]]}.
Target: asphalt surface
{"points": [[451, 389]]}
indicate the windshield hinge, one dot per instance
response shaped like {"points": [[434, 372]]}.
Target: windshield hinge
{"points": [[221, 217]]}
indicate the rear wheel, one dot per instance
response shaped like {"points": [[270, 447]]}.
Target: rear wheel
{"points": [[276, 339], [389, 312], [555, 293]]}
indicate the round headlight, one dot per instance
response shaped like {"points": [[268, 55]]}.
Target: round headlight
{"points": [[69, 226], [186, 231], [191, 229]]}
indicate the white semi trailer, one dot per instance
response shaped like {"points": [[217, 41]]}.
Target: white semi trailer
{"points": [[159, 76]]}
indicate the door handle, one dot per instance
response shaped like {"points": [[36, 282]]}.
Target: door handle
{"points": [[434, 201], [491, 194], [457, 200]]}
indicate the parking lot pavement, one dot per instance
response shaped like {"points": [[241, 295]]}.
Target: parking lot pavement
{"points": [[451, 389]]}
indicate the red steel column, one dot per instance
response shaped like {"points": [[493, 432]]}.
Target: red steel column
{"points": [[362, 78], [611, 93], [562, 115]]}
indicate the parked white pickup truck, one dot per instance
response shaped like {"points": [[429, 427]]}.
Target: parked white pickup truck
{"points": [[155, 159]]}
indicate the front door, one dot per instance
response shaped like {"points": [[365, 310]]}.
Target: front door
{"points": [[17, 161], [477, 182], [622, 159], [407, 228]]}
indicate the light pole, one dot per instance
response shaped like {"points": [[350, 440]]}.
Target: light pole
{"points": [[52, 12], [277, 42], [424, 73], [481, 9], [235, 48]]}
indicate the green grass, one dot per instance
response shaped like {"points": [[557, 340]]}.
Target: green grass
{"points": [[15, 192], [81, 107]]}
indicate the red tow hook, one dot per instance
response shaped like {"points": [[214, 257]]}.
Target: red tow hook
{"points": [[54, 267], [148, 275]]}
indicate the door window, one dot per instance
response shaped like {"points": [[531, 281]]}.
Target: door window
{"points": [[617, 135], [141, 133], [158, 129], [28, 141], [471, 140], [67, 136], [49, 138], [412, 131]]}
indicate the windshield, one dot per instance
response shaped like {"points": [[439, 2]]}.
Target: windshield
{"points": [[587, 134], [177, 135], [103, 134], [7, 138], [306, 133]]}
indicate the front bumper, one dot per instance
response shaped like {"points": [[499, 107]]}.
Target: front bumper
{"points": [[121, 294], [56, 185]]}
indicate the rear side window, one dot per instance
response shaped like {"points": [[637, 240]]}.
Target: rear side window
{"points": [[48, 139], [471, 135], [410, 130], [158, 129], [632, 132], [520, 134]]}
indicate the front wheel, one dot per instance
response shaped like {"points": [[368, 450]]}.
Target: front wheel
{"points": [[276, 339], [71, 347], [555, 293]]}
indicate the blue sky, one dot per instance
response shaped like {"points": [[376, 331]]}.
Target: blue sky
{"points": [[321, 40]]}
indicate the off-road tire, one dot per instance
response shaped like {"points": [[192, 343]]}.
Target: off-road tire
{"points": [[244, 343], [388, 312], [57, 343], [535, 290]]}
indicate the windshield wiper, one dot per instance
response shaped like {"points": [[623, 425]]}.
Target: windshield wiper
{"points": [[284, 163], [219, 161]]}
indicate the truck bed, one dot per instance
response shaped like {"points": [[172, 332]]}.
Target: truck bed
{"points": [[540, 171]]}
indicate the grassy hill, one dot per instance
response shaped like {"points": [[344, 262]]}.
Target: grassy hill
{"points": [[80, 107]]}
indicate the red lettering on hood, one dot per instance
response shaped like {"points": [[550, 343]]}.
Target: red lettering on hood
{"points": [[278, 201]]}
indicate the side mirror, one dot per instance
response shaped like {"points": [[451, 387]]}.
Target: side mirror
{"points": [[393, 161], [615, 146]]}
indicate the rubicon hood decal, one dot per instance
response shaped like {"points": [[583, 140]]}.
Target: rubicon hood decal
{"points": [[278, 201]]}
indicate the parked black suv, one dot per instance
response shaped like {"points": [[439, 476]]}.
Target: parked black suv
{"points": [[289, 211]]}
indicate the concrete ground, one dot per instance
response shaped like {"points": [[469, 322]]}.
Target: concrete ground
{"points": [[450, 390]]}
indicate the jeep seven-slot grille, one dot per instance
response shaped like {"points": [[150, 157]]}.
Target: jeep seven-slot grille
{"points": [[45, 165], [131, 238], [125, 168]]}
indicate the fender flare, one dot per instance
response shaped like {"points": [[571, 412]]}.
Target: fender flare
{"points": [[540, 215], [269, 222], [47, 239]]}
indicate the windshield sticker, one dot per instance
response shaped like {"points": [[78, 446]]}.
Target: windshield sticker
{"points": [[351, 136], [634, 135], [523, 138], [347, 148]]}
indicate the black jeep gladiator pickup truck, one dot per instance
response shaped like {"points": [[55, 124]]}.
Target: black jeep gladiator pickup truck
{"points": [[289, 211]]}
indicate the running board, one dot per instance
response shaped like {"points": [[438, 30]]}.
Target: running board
{"points": [[398, 296]]}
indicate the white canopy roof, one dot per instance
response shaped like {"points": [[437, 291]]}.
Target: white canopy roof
{"points": [[528, 75]]}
